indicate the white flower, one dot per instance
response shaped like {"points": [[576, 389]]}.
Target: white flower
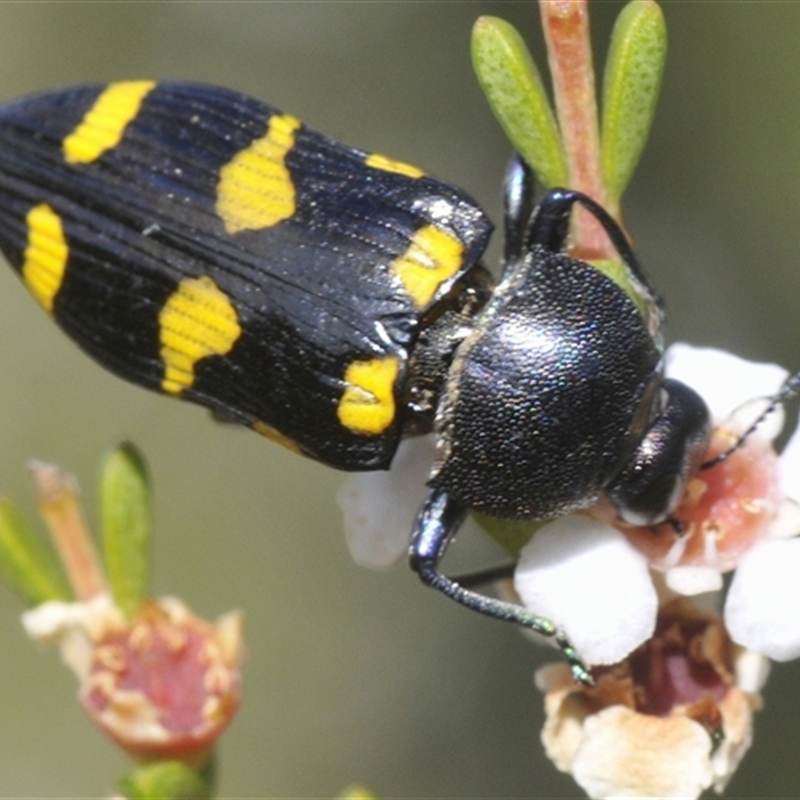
{"points": [[672, 720], [692, 562], [163, 685], [584, 574]]}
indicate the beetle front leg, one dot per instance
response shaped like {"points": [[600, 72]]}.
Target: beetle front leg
{"points": [[436, 526]]}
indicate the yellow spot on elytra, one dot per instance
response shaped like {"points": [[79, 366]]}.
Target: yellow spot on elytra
{"points": [[432, 258], [104, 123], [198, 320], [45, 257], [274, 435], [367, 405], [255, 189], [390, 165]]}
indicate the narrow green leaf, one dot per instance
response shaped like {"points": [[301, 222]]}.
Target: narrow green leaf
{"points": [[630, 92], [27, 564], [512, 84], [127, 526], [619, 273], [165, 780]]}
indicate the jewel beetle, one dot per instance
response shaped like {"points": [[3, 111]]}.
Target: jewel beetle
{"points": [[205, 245]]}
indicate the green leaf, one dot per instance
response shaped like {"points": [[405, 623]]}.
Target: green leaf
{"points": [[127, 526], [511, 535], [27, 564], [512, 84], [618, 272], [165, 780], [630, 92]]}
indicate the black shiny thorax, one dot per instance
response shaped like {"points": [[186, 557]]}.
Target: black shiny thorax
{"points": [[559, 356]]}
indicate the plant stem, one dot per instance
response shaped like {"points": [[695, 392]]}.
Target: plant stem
{"points": [[58, 504], [566, 29]]}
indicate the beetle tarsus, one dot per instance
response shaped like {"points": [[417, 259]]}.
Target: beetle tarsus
{"points": [[580, 673]]}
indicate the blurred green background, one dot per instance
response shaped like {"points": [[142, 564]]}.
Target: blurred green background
{"points": [[353, 675]]}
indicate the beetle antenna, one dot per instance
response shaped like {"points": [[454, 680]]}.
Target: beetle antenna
{"points": [[789, 389]]}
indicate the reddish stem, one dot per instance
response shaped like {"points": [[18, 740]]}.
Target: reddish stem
{"points": [[59, 507], [566, 29]]}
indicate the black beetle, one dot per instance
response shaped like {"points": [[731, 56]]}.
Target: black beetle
{"points": [[564, 374], [203, 244]]}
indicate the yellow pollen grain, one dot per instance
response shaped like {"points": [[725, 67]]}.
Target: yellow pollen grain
{"points": [[175, 638], [378, 161], [104, 124], [208, 653], [103, 682], [695, 490], [111, 657], [212, 709], [432, 258], [129, 705], [45, 257], [197, 321], [367, 405], [752, 505], [217, 679], [255, 189], [140, 639]]}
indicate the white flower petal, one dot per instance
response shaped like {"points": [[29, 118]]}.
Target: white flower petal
{"points": [[625, 754], [723, 380], [74, 627], [584, 575], [564, 714], [49, 621], [693, 580], [762, 608], [380, 507], [738, 708], [752, 670], [790, 466], [787, 520]]}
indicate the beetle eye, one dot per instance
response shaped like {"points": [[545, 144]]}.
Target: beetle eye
{"points": [[649, 487]]}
